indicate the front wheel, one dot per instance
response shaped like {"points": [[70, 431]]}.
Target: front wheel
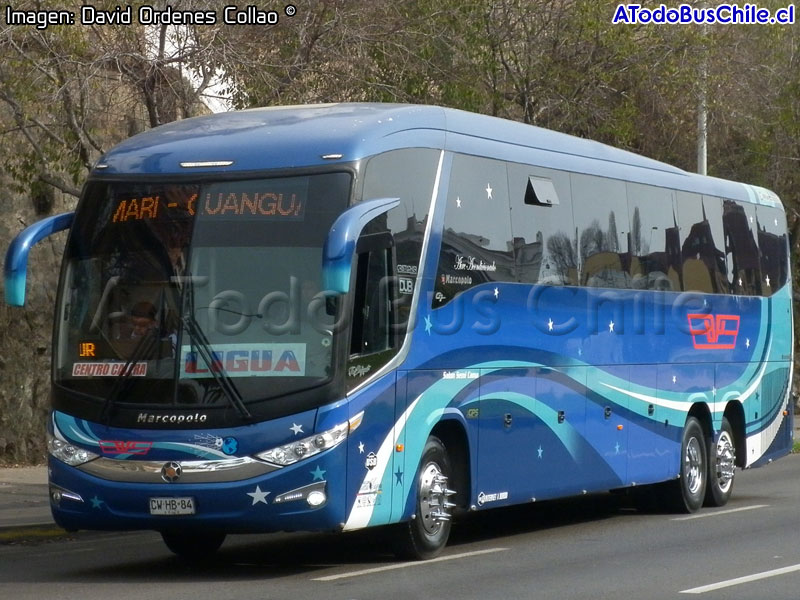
{"points": [[194, 547], [689, 491], [721, 467], [426, 534]]}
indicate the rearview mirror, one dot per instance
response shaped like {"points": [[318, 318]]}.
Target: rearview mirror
{"points": [[16, 265], [340, 245]]}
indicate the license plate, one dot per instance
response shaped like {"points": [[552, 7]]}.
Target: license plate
{"points": [[172, 506]]}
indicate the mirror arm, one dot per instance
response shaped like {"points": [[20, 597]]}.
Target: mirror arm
{"points": [[16, 265], [339, 249]]}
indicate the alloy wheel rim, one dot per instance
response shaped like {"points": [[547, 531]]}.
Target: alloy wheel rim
{"points": [[434, 509], [725, 461], [693, 466]]}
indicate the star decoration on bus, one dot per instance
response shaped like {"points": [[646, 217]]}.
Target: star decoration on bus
{"points": [[747, 343], [489, 191], [616, 448], [539, 451], [96, 502], [361, 447], [496, 292], [458, 202], [258, 496], [399, 476], [674, 379], [428, 324], [549, 324], [318, 474], [297, 429], [611, 326]]}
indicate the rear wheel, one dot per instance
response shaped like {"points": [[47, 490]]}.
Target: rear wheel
{"points": [[689, 491], [195, 547], [426, 534], [721, 466]]}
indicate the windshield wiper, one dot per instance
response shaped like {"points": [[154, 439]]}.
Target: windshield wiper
{"points": [[220, 376], [204, 346], [142, 348]]}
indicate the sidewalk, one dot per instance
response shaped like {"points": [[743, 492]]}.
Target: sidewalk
{"points": [[24, 502]]}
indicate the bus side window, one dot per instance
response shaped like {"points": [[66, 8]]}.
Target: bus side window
{"points": [[655, 249], [600, 210], [773, 247], [477, 243], [408, 174], [741, 248], [542, 225], [374, 339], [702, 243]]}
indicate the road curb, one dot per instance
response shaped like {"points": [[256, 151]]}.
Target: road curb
{"points": [[21, 533]]}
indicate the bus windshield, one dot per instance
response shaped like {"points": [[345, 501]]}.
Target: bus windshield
{"points": [[202, 293]]}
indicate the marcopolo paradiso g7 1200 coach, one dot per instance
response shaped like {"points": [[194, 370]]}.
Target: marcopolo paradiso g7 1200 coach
{"points": [[341, 316]]}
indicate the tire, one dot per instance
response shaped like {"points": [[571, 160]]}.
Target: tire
{"points": [[193, 547], [721, 466], [689, 490], [426, 534]]}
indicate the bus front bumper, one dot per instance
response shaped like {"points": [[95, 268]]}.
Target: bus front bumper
{"points": [[302, 497]]}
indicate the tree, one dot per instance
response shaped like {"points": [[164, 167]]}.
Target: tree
{"points": [[72, 91]]}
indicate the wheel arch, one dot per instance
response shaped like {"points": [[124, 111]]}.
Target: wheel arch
{"points": [[702, 413], [734, 412], [454, 437]]}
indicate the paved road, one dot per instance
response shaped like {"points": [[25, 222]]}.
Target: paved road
{"points": [[592, 547]]}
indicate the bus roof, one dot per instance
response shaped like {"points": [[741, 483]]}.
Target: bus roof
{"points": [[312, 135]]}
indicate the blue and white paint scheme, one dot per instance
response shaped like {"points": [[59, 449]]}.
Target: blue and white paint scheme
{"points": [[536, 388]]}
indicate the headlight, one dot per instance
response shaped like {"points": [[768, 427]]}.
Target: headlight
{"points": [[66, 452], [310, 446]]}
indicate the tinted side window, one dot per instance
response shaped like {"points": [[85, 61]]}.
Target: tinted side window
{"points": [[702, 243], [655, 241], [600, 210], [408, 174], [476, 238], [773, 243], [388, 258], [741, 249], [375, 335], [545, 250]]}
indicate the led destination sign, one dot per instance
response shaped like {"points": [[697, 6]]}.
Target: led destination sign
{"points": [[265, 199]]}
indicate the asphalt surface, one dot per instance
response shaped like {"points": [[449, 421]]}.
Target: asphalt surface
{"points": [[598, 547]]}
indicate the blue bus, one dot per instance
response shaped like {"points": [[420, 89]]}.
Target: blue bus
{"points": [[341, 316]]}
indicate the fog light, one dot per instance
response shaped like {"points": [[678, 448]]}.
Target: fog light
{"points": [[316, 498], [58, 494]]}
